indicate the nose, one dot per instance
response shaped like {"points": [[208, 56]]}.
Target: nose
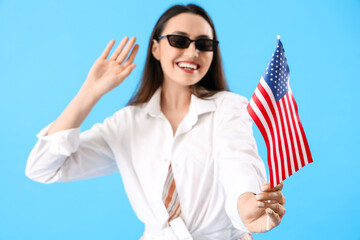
{"points": [[192, 51]]}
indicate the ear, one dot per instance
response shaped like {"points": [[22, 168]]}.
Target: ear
{"points": [[155, 50]]}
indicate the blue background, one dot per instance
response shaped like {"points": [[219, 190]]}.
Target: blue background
{"points": [[48, 47]]}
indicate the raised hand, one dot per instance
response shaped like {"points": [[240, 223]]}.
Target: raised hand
{"points": [[108, 73], [255, 209]]}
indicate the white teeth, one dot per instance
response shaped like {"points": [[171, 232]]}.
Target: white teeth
{"points": [[187, 65]]}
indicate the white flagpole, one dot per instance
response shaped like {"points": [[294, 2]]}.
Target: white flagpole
{"points": [[267, 220], [267, 215]]}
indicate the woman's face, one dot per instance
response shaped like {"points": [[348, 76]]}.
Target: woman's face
{"points": [[175, 62]]}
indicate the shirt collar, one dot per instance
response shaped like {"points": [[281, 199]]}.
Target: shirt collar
{"points": [[198, 106]]}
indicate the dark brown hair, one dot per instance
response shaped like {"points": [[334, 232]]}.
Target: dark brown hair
{"points": [[152, 77]]}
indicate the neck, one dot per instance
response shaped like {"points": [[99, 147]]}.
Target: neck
{"points": [[175, 98]]}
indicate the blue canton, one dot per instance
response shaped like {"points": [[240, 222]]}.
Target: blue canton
{"points": [[277, 73]]}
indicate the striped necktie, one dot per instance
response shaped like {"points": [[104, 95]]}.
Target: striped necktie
{"points": [[170, 196]]}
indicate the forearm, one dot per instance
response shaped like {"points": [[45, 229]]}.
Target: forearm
{"points": [[75, 113]]}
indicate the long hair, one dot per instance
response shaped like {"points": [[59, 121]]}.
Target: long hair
{"points": [[152, 76]]}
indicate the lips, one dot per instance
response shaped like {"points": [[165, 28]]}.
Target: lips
{"points": [[188, 66]]}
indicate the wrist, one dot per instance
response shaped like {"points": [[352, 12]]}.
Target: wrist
{"points": [[87, 99], [89, 94]]}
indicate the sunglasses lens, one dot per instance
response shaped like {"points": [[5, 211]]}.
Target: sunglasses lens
{"points": [[184, 42], [205, 44], [179, 41]]}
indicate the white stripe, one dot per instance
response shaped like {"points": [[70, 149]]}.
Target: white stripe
{"points": [[272, 98], [306, 160], [174, 203], [262, 120], [291, 157], [293, 134], [268, 112], [167, 184]]}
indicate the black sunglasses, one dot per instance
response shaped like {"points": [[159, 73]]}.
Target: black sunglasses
{"points": [[201, 44]]}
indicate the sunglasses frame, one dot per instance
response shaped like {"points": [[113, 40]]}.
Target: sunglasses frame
{"points": [[215, 42]]}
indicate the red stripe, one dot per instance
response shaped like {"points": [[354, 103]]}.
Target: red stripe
{"points": [[272, 109], [307, 148], [263, 133], [296, 132], [271, 128], [286, 141], [290, 134]]}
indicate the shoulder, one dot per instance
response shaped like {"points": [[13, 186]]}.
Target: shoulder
{"points": [[127, 113], [119, 117], [227, 101]]}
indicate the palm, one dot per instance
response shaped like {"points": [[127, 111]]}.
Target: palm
{"points": [[258, 221], [106, 74]]}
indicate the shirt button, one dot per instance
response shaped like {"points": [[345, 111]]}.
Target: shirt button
{"points": [[165, 159]]}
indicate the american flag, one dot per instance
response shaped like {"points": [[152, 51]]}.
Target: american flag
{"points": [[275, 113]]}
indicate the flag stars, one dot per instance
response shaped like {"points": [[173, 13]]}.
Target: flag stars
{"points": [[277, 72]]}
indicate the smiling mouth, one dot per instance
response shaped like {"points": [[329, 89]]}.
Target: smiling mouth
{"points": [[188, 66]]}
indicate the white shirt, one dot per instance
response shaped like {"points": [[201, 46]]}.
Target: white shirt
{"points": [[213, 156]]}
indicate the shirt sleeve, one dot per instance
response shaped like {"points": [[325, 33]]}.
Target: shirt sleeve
{"points": [[69, 155], [240, 169]]}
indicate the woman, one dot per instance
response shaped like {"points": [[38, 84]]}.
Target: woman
{"points": [[183, 145]]}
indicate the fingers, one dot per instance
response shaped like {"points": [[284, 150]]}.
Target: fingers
{"points": [[272, 196], [126, 50], [126, 72], [131, 58], [121, 53], [106, 52], [119, 48], [276, 207], [274, 217], [266, 187]]}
